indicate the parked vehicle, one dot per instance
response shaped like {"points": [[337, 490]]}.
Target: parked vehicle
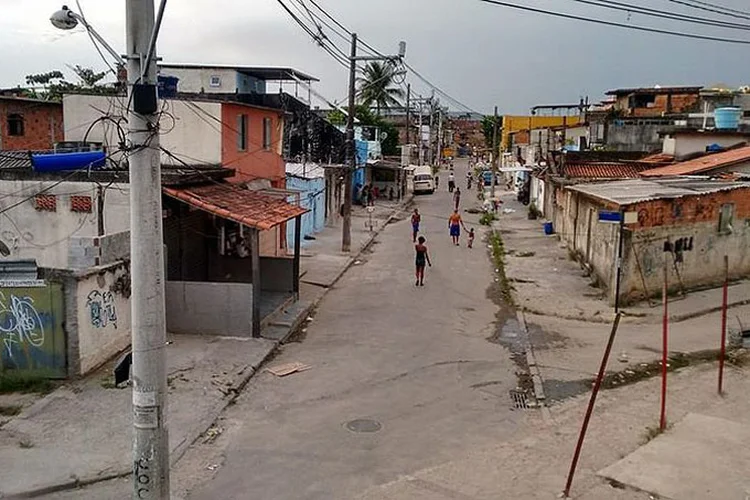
{"points": [[424, 182]]}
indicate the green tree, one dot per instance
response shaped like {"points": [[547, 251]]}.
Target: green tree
{"points": [[377, 88], [488, 125], [52, 85], [366, 118]]}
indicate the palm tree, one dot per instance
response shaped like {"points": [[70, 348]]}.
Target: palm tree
{"points": [[376, 86]]}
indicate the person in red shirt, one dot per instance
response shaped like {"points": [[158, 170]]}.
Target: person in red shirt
{"points": [[415, 220]]}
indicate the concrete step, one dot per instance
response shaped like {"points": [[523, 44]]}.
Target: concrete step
{"points": [[287, 321]]}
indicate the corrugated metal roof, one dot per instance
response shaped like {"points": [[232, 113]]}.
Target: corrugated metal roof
{"points": [[636, 190], [228, 201], [702, 164], [655, 90], [15, 159], [604, 170]]}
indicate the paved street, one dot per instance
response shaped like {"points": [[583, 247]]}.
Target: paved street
{"points": [[416, 360]]}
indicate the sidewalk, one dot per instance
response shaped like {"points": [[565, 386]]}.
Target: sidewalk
{"points": [[81, 433], [536, 467]]}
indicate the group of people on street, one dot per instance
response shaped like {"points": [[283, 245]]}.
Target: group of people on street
{"points": [[455, 224]]}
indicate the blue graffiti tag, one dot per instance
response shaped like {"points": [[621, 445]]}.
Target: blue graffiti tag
{"points": [[20, 322], [102, 310]]}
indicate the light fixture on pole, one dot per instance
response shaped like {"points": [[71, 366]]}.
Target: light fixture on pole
{"points": [[66, 19]]}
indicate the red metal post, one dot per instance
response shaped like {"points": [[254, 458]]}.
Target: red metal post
{"points": [[723, 348], [665, 344], [592, 400]]}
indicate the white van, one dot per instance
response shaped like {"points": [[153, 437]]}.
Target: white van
{"points": [[424, 181]]}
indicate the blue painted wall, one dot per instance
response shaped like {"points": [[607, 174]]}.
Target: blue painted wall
{"points": [[312, 198]]}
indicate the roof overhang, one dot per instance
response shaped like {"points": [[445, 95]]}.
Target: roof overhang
{"points": [[243, 206], [272, 73]]}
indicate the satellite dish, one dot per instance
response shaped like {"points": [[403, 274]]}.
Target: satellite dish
{"points": [[4, 250]]}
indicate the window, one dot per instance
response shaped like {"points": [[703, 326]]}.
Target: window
{"points": [[725, 218], [242, 132], [15, 124], [214, 81], [267, 134], [642, 101]]}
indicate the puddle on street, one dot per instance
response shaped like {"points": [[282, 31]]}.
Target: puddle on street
{"points": [[559, 390]]}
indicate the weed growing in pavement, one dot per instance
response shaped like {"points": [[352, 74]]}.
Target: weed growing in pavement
{"points": [[498, 257], [652, 431], [487, 218], [12, 381]]}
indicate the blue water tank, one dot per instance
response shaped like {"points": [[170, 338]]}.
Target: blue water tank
{"points": [[57, 162], [548, 228], [727, 118], [168, 86]]}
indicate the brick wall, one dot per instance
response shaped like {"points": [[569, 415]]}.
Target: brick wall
{"points": [[42, 124], [689, 210]]}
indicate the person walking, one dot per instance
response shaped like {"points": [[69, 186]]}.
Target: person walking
{"points": [[422, 258], [416, 218], [454, 226], [451, 181], [471, 238], [457, 197]]}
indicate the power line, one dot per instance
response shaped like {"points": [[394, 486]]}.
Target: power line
{"points": [[637, 9], [717, 9], [618, 25]]}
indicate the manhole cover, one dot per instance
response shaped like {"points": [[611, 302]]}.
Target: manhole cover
{"points": [[364, 425], [520, 399]]}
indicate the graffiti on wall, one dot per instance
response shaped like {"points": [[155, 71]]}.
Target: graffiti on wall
{"points": [[20, 323], [102, 310], [31, 328]]}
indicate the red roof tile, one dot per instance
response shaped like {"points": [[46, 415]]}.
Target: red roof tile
{"points": [[702, 164], [603, 170], [658, 158], [243, 206]]}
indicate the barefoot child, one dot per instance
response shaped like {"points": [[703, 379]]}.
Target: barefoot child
{"points": [[421, 258], [471, 238], [415, 220]]}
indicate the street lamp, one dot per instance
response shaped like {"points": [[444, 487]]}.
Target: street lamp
{"points": [[66, 19]]}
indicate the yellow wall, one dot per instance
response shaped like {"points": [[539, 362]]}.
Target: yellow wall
{"points": [[513, 124]]}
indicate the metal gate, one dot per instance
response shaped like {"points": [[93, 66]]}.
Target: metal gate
{"points": [[32, 337]]}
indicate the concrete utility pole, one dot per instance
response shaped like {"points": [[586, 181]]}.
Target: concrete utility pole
{"points": [[408, 113], [149, 374], [346, 235], [495, 153], [440, 136], [420, 141]]}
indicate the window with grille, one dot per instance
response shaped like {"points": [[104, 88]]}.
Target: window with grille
{"points": [[15, 124], [81, 204], [45, 202], [267, 134], [242, 132]]}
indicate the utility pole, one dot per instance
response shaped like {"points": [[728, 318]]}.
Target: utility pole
{"points": [[421, 137], [494, 153], [346, 230], [440, 136], [408, 114], [149, 374], [346, 236]]}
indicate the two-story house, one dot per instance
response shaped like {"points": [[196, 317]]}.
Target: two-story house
{"points": [[29, 124]]}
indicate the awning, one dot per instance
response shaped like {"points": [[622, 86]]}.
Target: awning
{"points": [[250, 208], [514, 169]]}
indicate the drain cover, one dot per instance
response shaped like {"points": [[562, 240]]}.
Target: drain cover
{"points": [[364, 425], [520, 399]]}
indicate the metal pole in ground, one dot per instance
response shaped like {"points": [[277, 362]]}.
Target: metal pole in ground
{"points": [[619, 263], [150, 437], [494, 154], [592, 400], [665, 343], [723, 347], [346, 227]]}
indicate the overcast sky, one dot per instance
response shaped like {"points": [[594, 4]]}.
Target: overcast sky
{"points": [[480, 54]]}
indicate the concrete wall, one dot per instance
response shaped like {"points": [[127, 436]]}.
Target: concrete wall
{"points": [[103, 315], [313, 198], [195, 137], [46, 235], [91, 251], [209, 308], [627, 136], [199, 79], [684, 145], [277, 274]]}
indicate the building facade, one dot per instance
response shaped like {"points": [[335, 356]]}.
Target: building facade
{"points": [[29, 124]]}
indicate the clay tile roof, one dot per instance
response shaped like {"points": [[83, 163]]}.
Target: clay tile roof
{"points": [[603, 170], [228, 201], [702, 164], [658, 158]]}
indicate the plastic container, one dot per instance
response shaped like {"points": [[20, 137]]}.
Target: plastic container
{"points": [[57, 162], [168, 86], [727, 118], [548, 229]]}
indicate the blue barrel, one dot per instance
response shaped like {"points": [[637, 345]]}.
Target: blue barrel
{"points": [[168, 86], [727, 118], [57, 162], [548, 229]]}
